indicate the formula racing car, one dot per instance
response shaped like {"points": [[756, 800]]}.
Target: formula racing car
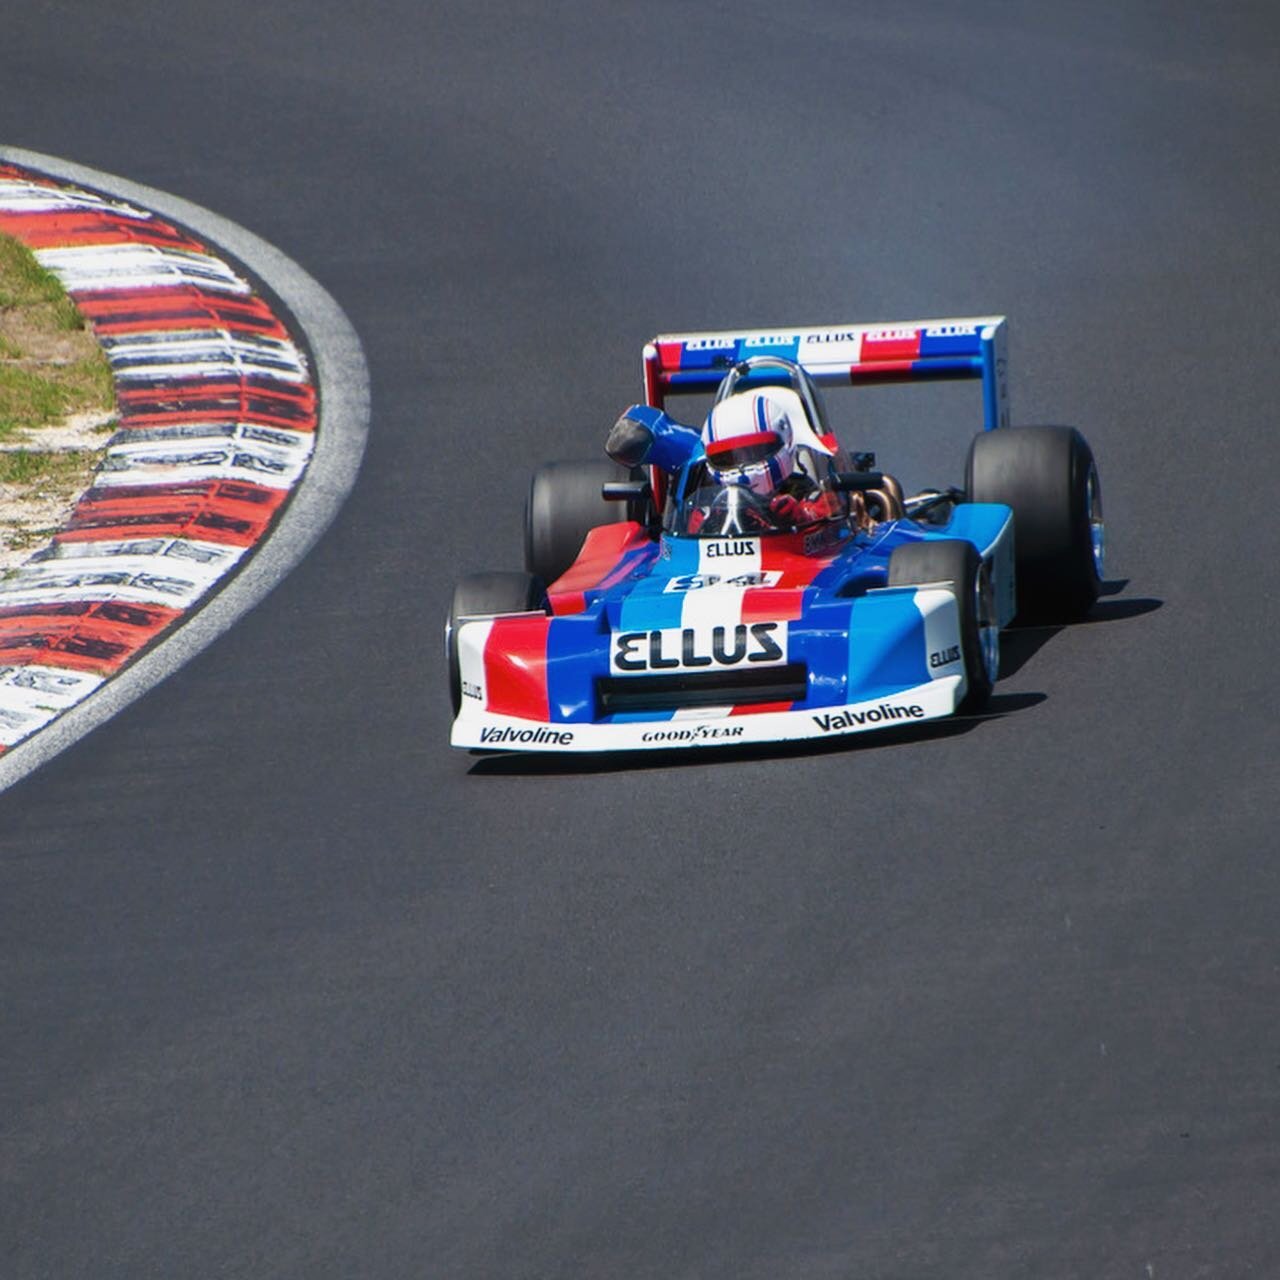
{"points": [[750, 580]]}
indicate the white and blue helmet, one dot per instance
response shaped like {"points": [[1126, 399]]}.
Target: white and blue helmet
{"points": [[749, 442]]}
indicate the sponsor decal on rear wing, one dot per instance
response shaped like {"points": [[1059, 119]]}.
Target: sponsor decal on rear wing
{"points": [[843, 355]]}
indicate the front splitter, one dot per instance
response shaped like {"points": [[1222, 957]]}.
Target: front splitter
{"points": [[714, 727]]}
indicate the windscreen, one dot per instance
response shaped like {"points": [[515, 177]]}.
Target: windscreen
{"points": [[705, 508]]}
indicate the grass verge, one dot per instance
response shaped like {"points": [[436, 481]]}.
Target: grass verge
{"points": [[56, 401], [26, 286], [44, 395]]}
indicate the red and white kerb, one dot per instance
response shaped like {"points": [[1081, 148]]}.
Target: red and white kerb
{"points": [[217, 422]]}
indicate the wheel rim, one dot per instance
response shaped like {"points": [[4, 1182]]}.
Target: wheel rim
{"points": [[988, 626], [1097, 526]]}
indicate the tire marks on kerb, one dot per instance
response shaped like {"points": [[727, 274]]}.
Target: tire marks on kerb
{"points": [[219, 422]]}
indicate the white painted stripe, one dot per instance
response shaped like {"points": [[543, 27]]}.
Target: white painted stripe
{"points": [[138, 266], [179, 434], [195, 474], [19, 196], [153, 339], [17, 720], [186, 461], [217, 555], [55, 686], [31, 696], [211, 368], [172, 575], [204, 354], [132, 585]]}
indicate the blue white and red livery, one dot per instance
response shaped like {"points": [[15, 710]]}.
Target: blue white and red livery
{"points": [[747, 579]]}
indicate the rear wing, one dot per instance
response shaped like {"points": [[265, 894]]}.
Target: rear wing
{"points": [[843, 355]]}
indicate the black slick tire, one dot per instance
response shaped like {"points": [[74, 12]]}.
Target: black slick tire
{"points": [[1049, 478], [565, 504], [483, 593], [957, 564]]}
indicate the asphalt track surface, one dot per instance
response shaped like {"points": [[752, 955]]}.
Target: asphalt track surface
{"points": [[290, 989]]}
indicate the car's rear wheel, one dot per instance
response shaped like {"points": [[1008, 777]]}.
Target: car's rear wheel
{"points": [[1049, 477], [485, 593], [957, 564], [565, 504]]}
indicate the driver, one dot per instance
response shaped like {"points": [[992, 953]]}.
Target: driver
{"points": [[750, 451]]}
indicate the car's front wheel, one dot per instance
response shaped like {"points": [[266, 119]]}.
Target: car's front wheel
{"points": [[1049, 478]]}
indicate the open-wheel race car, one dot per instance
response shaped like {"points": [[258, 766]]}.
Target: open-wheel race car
{"points": [[751, 580]]}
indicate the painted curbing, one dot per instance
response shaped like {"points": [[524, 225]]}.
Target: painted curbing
{"points": [[243, 423]]}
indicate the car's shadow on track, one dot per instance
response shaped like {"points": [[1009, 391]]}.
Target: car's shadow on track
{"points": [[1019, 644], [555, 764]]}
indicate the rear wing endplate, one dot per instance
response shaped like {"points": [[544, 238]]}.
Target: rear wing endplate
{"points": [[843, 355]]}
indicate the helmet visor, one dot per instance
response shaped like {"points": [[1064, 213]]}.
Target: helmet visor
{"points": [[743, 451]]}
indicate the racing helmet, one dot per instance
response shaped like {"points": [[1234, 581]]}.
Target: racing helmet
{"points": [[748, 442]]}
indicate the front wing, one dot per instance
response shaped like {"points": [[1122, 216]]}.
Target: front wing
{"points": [[484, 731], [892, 659]]}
